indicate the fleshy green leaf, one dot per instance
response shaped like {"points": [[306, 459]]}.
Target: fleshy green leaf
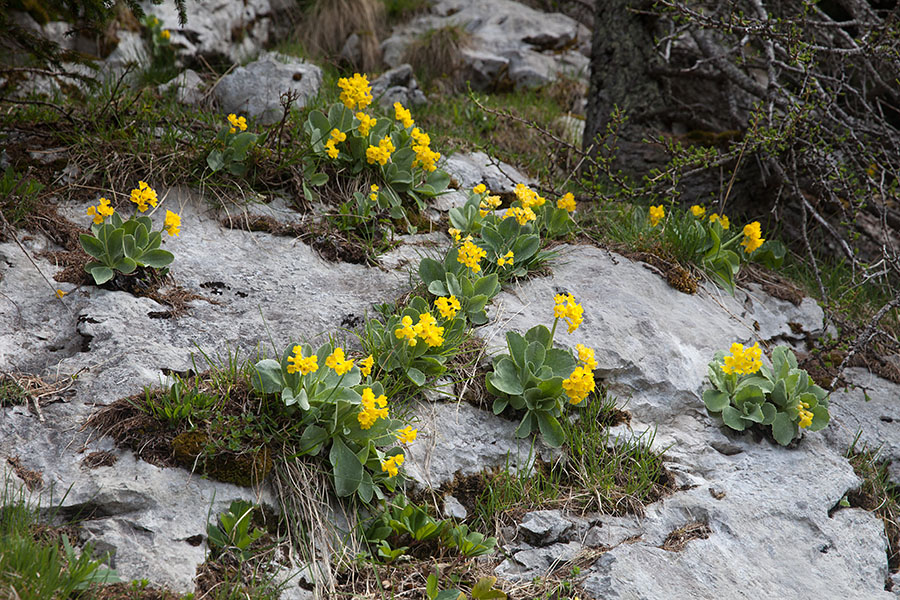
{"points": [[715, 400], [783, 429]]}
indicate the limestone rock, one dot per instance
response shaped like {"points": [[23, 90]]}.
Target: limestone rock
{"points": [[398, 85], [188, 87], [255, 90], [509, 44]]}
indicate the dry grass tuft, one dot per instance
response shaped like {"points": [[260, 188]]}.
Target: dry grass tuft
{"points": [[436, 57], [329, 23]]}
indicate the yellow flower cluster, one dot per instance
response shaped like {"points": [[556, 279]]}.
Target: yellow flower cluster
{"points": [[448, 307], [407, 435], [489, 203], [380, 153], [365, 365], [698, 211], [426, 329], [338, 362], [806, 416], [164, 34], [656, 215], [152, 21], [528, 197], [402, 115], [471, 255], [373, 195], [579, 384], [337, 136], [425, 157], [752, 237], [522, 214], [723, 220], [480, 188], [297, 363], [506, 259], [237, 123], [355, 91], [456, 233], [392, 465], [101, 211], [372, 409], [566, 308], [586, 356], [365, 123], [743, 360], [567, 202], [143, 195], [173, 223]]}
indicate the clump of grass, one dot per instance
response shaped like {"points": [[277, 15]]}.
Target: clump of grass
{"points": [[876, 494], [435, 56], [329, 23], [596, 472]]}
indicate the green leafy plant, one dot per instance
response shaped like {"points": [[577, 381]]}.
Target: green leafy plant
{"points": [[398, 153], [162, 54], [746, 392], [232, 531], [124, 245], [339, 413], [482, 590], [234, 146], [451, 278], [536, 377], [415, 343], [182, 402]]}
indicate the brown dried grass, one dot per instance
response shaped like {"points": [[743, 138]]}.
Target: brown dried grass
{"points": [[329, 23]]}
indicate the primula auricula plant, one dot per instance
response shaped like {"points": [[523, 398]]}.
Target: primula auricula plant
{"points": [[234, 144], [353, 137], [117, 245], [342, 411], [538, 378], [419, 341], [747, 392], [710, 241]]}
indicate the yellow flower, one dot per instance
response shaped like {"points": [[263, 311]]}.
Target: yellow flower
{"points": [[743, 361], [528, 197], [471, 255], [337, 136], [579, 384], [365, 365], [586, 356], [723, 220], [656, 215], [373, 196], [806, 417], [406, 330], [144, 195], [522, 215], [173, 223], [456, 233], [101, 211], [752, 237], [164, 34], [480, 188], [426, 158], [427, 330], [567, 202], [566, 308], [372, 409], [380, 153], [60, 294], [448, 307], [365, 122], [336, 362], [391, 465], [407, 435], [153, 21], [421, 138], [356, 92], [698, 211], [237, 123], [402, 115], [506, 259], [297, 362]]}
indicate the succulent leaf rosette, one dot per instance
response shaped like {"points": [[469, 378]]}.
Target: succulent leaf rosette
{"points": [[746, 392]]}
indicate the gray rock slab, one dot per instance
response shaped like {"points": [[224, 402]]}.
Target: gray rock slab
{"points": [[189, 87], [471, 168], [255, 90], [509, 44], [398, 85]]}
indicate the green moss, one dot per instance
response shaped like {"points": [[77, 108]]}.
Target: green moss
{"points": [[191, 449]]}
